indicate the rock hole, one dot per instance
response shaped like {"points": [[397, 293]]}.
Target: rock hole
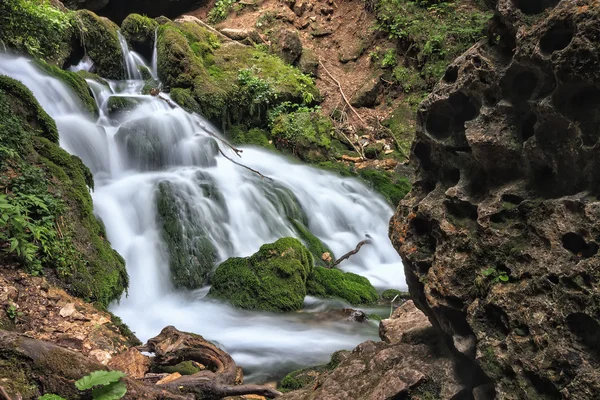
{"points": [[76, 55], [532, 7], [578, 246], [512, 198], [586, 329], [543, 385], [582, 103], [423, 267], [497, 319], [461, 209], [451, 74], [519, 84], [553, 278], [423, 153], [451, 176], [447, 117], [421, 226], [528, 127], [477, 62], [491, 97], [570, 284], [557, 37]]}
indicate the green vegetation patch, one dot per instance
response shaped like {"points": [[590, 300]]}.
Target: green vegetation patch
{"points": [[333, 283], [273, 279], [37, 28], [47, 224]]}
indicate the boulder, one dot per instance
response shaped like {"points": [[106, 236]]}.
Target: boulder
{"points": [[273, 279], [367, 94], [242, 35], [287, 45], [309, 62], [333, 283], [407, 322], [140, 32], [499, 236]]}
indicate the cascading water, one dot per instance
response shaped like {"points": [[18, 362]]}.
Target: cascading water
{"points": [[132, 153]]}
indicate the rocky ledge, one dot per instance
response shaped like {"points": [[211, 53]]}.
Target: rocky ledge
{"points": [[501, 231]]}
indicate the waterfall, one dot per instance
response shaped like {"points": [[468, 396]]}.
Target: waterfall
{"points": [[131, 59], [131, 153], [154, 62]]}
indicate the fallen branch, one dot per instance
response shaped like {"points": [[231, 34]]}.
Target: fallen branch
{"points": [[5, 395], [342, 92], [244, 166], [351, 253], [226, 143]]}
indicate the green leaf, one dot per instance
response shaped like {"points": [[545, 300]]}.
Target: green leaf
{"points": [[114, 391], [488, 272], [98, 378], [50, 397], [504, 278]]}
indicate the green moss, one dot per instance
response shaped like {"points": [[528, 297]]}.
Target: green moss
{"points": [[391, 186], [184, 368], [120, 104], [16, 376], [100, 39], [139, 32], [390, 294], [333, 283], [273, 279], [191, 253], [39, 29], [91, 76], [304, 377], [192, 57], [76, 82], [305, 134], [313, 243], [184, 98], [241, 135]]}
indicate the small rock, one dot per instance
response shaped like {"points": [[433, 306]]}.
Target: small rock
{"points": [[367, 95], [169, 378], [327, 257], [287, 45], [102, 356], [67, 310], [406, 319], [131, 362], [326, 10], [300, 8]]}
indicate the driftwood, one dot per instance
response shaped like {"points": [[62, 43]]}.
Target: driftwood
{"points": [[351, 253], [56, 368], [216, 381]]}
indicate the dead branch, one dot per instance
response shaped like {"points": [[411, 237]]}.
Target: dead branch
{"points": [[226, 143], [351, 253], [343, 94], [244, 166]]}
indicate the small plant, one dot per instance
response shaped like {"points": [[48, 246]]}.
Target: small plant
{"points": [[13, 313], [389, 59], [220, 11], [495, 275], [105, 385]]}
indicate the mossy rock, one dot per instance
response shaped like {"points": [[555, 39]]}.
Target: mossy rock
{"points": [[184, 368], [390, 185], [333, 283], [192, 255], [273, 279], [139, 31], [192, 57], [121, 104], [184, 98], [304, 377], [101, 41], [313, 243], [309, 135], [76, 82], [38, 29], [78, 255], [390, 294], [241, 135]]}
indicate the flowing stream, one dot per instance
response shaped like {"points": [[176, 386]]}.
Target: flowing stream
{"points": [[130, 153]]}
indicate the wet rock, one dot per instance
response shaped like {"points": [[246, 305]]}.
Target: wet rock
{"points": [[140, 32], [499, 236], [287, 45], [367, 95]]}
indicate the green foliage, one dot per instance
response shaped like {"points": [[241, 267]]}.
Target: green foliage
{"points": [[105, 385], [390, 294], [37, 28], [495, 275], [50, 397], [389, 59], [305, 134], [391, 186], [273, 279], [354, 289], [220, 11], [13, 313], [436, 31], [255, 91]]}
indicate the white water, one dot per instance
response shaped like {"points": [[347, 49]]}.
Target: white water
{"points": [[340, 212]]}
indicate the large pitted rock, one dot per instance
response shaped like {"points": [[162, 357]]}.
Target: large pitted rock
{"points": [[501, 231], [415, 363]]}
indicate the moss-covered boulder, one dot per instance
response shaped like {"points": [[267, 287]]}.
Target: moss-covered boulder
{"points": [[317, 248], [38, 29], [139, 32], [333, 283], [230, 83], [101, 42], [117, 105], [45, 196], [192, 255], [273, 279]]}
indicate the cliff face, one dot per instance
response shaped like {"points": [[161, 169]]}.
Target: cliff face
{"points": [[501, 231]]}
